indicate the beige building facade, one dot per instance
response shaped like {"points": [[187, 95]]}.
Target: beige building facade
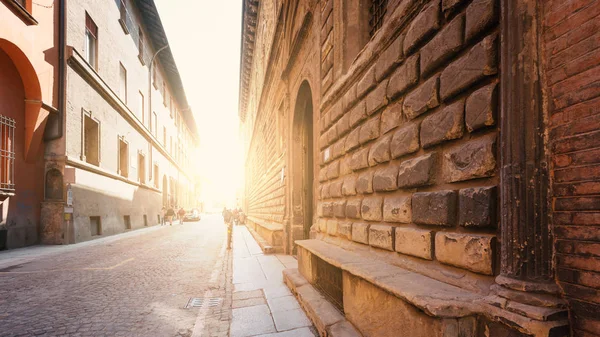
{"points": [[411, 154]]}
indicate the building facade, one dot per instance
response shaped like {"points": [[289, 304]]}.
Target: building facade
{"points": [[432, 164], [29, 91]]}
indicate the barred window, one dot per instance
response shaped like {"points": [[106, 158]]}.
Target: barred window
{"points": [[7, 154], [377, 12]]}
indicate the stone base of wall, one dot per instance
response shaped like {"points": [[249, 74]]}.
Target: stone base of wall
{"points": [[270, 236], [380, 300], [52, 220]]}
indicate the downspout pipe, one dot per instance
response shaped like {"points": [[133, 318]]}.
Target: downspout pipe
{"points": [[151, 166], [62, 64]]}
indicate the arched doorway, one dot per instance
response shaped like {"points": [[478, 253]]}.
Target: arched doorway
{"points": [[302, 170], [165, 191]]}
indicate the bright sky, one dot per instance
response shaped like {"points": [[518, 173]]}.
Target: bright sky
{"points": [[205, 39]]}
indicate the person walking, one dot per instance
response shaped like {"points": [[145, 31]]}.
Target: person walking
{"points": [[170, 215], [181, 214], [162, 216], [228, 219]]}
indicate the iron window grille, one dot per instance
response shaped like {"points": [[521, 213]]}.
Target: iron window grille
{"points": [[329, 283], [7, 154], [377, 13]]}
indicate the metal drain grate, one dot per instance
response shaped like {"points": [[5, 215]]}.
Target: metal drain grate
{"points": [[201, 302]]}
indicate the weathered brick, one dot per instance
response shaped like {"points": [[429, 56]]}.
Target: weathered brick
{"points": [[481, 14], [336, 189], [414, 242], [391, 117], [343, 125], [336, 111], [327, 209], [477, 207], [405, 140], [332, 134], [360, 232], [338, 148], [369, 130], [481, 107], [389, 59], [353, 208], [345, 229], [422, 26], [360, 159], [333, 170], [357, 114], [467, 251], [443, 45], [366, 83], [385, 178], [352, 140], [339, 209], [325, 191], [349, 186], [349, 98], [332, 227], [397, 209], [444, 125], [448, 5], [405, 76], [323, 141], [344, 168], [479, 62], [417, 171], [322, 225], [326, 155], [423, 98], [381, 236], [371, 208], [364, 184], [475, 159], [377, 99], [434, 208], [380, 151], [322, 174]]}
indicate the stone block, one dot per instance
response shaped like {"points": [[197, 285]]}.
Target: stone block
{"points": [[423, 25], [345, 229], [371, 208], [344, 168], [381, 236], [357, 114], [323, 141], [380, 151], [475, 159], [422, 98], [364, 184], [444, 125], [322, 174], [481, 108], [391, 57], [468, 251], [338, 149], [480, 61], [335, 189], [333, 170], [332, 227], [327, 208], [397, 209], [359, 159], [386, 178], [391, 117], [405, 76], [339, 209], [366, 83], [443, 45], [325, 191], [414, 242], [405, 140], [369, 130], [477, 207], [352, 140], [377, 99], [349, 186], [332, 134], [336, 111], [360, 232], [322, 225], [448, 5], [353, 208], [343, 125], [417, 171], [349, 98], [481, 15], [434, 208]]}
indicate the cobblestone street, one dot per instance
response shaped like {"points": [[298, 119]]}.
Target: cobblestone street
{"points": [[136, 284]]}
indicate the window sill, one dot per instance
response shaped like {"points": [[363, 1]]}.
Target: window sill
{"points": [[6, 194], [124, 26], [21, 12]]}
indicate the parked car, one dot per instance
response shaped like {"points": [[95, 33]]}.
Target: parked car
{"points": [[192, 215]]}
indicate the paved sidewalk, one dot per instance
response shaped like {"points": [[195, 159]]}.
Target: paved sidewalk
{"points": [[262, 303]]}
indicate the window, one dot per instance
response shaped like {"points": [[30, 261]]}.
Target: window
{"points": [[123, 16], [141, 168], [7, 154], [165, 99], [127, 221], [164, 136], [122, 83], [154, 125], [91, 42], [171, 110], [377, 12], [91, 141], [141, 107], [123, 169], [141, 46], [156, 175]]}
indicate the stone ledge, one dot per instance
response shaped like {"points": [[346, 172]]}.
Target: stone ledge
{"points": [[262, 243], [271, 226], [433, 297], [326, 318]]}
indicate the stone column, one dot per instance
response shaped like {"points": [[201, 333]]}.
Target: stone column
{"points": [[526, 274]]}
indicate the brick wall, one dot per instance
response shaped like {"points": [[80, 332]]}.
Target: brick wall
{"points": [[409, 160], [571, 40]]}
